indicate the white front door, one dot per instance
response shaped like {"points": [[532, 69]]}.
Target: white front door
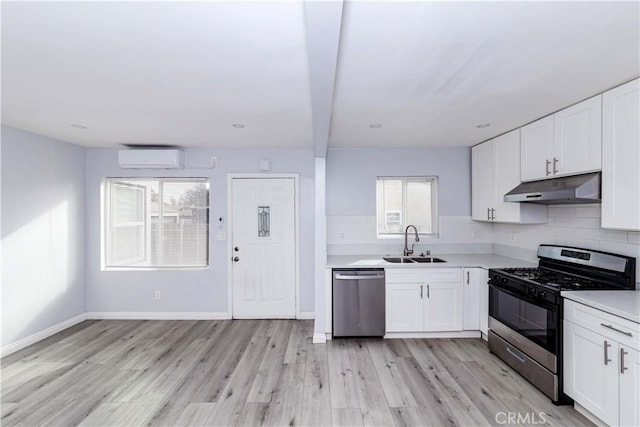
{"points": [[263, 248]]}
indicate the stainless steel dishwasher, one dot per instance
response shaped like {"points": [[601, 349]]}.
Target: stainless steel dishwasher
{"points": [[358, 302]]}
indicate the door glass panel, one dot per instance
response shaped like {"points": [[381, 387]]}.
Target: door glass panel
{"points": [[264, 221]]}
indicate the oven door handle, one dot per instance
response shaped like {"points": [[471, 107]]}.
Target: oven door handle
{"points": [[526, 298]]}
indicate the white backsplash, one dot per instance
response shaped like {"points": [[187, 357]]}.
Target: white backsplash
{"points": [[571, 225], [356, 235]]}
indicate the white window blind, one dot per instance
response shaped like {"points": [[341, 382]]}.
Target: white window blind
{"points": [[156, 222], [402, 201]]}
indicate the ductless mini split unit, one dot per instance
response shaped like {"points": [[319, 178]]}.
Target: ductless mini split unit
{"points": [[169, 158]]}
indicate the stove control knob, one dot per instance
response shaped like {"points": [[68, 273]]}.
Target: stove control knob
{"points": [[542, 294], [504, 280]]}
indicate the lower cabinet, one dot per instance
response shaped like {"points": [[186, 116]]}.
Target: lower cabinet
{"points": [[424, 300], [602, 364], [475, 299]]}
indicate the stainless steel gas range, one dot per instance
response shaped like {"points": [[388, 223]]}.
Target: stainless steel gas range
{"points": [[525, 308]]}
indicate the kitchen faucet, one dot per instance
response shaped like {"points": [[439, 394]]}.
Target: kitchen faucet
{"points": [[408, 251]]}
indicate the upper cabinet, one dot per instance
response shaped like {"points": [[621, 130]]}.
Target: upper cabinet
{"points": [[495, 171], [621, 157], [568, 142]]}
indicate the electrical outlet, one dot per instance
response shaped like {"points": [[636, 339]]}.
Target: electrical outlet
{"points": [[213, 161], [342, 235], [514, 236], [476, 235], [156, 295]]}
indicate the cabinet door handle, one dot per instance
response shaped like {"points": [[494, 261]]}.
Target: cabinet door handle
{"points": [[493, 214], [421, 288], [606, 352], [548, 162], [622, 367], [555, 162], [427, 291], [629, 334], [488, 214], [467, 277]]}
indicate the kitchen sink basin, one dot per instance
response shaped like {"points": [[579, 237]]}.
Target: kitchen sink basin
{"points": [[426, 259], [398, 260], [412, 260]]}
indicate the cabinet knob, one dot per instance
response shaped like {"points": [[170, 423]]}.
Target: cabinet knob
{"points": [[236, 249], [236, 259]]}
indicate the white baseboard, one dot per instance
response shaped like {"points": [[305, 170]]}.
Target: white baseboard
{"points": [[307, 315], [588, 415], [158, 315], [454, 334], [320, 338], [39, 336]]}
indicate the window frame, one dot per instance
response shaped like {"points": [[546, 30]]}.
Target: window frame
{"points": [[106, 224], [435, 229]]}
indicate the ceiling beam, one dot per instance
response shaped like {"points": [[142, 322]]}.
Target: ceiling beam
{"points": [[323, 20]]}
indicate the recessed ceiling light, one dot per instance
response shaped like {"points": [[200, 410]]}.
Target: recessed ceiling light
{"points": [[483, 125], [77, 126], [238, 125], [375, 125]]}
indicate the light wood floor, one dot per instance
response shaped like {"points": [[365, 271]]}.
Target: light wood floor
{"points": [[260, 372]]}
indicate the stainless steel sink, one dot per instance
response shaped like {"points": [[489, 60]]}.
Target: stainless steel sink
{"points": [[399, 260], [412, 260], [426, 259]]}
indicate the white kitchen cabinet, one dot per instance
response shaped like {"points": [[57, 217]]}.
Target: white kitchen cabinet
{"points": [[423, 299], [495, 171], [536, 148], [471, 299], [630, 388], [587, 379], [621, 157], [404, 307], [601, 364], [484, 303], [568, 142], [442, 307], [577, 138]]}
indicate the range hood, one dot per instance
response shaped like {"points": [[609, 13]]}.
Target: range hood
{"points": [[569, 189]]}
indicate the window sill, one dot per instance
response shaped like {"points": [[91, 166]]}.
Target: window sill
{"points": [[411, 235], [155, 268]]}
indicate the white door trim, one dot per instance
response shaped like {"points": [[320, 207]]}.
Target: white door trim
{"points": [[230, 178]]}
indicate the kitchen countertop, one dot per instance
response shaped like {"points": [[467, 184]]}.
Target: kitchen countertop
{"points": [[625, 304], [453, 261]]}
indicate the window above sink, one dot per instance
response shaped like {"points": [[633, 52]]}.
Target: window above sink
{"points": [[401, 201]]}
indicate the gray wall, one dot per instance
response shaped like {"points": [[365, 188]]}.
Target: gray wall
{"points": [[43, 262], [351, 177], [198, 290]]}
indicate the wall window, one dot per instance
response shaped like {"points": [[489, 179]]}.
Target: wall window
{"points": [[156, 222], [406, 200]]}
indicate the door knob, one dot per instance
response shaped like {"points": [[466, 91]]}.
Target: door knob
{"points": [[236, 259], [236, 249]]}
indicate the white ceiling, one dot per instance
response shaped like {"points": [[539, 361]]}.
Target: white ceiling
{"points": [[184, 72]]}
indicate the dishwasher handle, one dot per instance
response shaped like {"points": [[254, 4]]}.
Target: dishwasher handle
{"points": [[354, 277]]}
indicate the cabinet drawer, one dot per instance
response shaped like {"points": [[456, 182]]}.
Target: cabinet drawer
{"points": [[444, 275], [405, 275], [621, 330]]}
